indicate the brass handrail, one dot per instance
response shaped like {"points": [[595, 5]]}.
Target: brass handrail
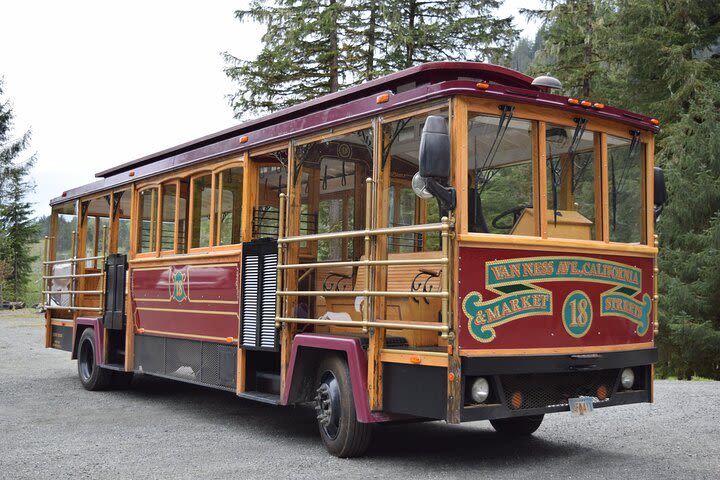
{"points": [[73, 291], [444, 228], [352, 323], [362, 263]]}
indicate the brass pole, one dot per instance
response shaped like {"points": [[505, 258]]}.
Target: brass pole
{"points": [[444, 274], [368, 213], [43, 281], [103, 279], [73, 268], [281, 223]]}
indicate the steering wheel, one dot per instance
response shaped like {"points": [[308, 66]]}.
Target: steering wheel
{"points": [[514, 211]]}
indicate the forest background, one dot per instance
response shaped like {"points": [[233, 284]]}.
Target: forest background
{"points": [[658, 57]]}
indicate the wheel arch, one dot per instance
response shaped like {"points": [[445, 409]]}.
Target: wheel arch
{"points": [[307, 352], [82, 324]]}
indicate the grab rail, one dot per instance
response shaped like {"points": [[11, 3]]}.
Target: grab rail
{"points": [[369, 234], [74, 276]]}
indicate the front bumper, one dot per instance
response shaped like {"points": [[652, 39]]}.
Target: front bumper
{"points": [[533, 385]]}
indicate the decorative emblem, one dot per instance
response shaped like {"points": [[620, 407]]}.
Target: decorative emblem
{"points": [[519, 296], [577, 314], [177, 280]]}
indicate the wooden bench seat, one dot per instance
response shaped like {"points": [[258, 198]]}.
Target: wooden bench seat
{"points": [[401, 278]]}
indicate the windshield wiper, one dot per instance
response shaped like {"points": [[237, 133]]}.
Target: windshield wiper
{"points": [[503, 124], [556, 168], [618, 186]]}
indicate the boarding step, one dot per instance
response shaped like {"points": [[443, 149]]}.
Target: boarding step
{"points": [[114, 366], [271, 398]]}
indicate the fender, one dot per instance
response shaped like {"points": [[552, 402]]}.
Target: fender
{"points": [[96, 324], [357, 364]]}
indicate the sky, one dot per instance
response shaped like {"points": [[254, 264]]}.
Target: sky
{"points": [[103, 83]]}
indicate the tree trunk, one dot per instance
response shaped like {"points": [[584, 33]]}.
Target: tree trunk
{"points": [[588, 51], [370, 60], [334, 51], [410, 44]]}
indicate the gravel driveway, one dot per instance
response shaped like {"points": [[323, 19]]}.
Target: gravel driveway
{"points": [[51, 428]]}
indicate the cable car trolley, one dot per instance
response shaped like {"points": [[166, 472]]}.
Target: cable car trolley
{"points": [[452, 242]]}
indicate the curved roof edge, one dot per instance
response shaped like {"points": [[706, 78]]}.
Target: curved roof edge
{"points": [[425, 73]]}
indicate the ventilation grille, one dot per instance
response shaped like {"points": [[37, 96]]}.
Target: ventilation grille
{"points": [[192, 361], [259, 288]]}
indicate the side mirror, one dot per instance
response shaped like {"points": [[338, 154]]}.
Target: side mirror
{"points": [[434, 159], [660, 192]]}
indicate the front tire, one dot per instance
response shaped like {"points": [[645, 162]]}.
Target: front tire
{"points": [[92, 377], [517, 426], [340, 431]]}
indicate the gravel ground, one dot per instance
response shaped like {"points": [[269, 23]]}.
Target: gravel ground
{"points": [[51, 428]]}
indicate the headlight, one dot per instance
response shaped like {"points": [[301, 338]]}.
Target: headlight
{"points": [[480, 390], [627, 378]]}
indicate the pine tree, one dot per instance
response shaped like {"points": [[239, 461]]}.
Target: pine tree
{"points": [[315, 47], [302, 55], [17, 230], [576, 45], [20, 231], [690, 242]]}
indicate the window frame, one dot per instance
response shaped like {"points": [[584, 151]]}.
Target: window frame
{"points": [[542, 116]]}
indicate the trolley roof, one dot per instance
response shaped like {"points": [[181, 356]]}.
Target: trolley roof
{"points": [[408, 87]]}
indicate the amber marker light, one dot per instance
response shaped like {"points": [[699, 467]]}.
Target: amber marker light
{"points": [[451, 377], [573, 101], [415, 359], [482, 85], [384, 98], [599, 106], [229, 339], [655, 121], [602, 392], [244, 139], [132, 173], [586, 103], [516, 400]]}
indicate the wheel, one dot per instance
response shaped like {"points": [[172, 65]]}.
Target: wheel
{"points": [[91, 375], [517, 426], [340, 431]]}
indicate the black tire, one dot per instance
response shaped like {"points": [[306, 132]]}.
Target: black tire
{"points": [[340, 431], [517, 426], [92, 377]]}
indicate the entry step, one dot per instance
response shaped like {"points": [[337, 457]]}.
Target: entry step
{"points": [[271, 398]]}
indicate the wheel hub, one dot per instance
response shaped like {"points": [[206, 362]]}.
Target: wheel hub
{"points": [[327, 405]]}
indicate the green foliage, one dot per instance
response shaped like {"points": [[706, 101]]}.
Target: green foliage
{"points": [[17, 229], [312, 48], [660, 57], [690, 239], [576, 39]]}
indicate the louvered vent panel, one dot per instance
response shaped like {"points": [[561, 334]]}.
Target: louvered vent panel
{"points": [[259, 287], [267, 307], [250, 300]]}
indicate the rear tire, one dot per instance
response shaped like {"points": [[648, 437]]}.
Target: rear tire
{"points": [[92, 377], [517, 426], [340, 431]]}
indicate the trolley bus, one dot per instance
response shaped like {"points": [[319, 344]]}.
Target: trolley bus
{"points": [[450, 242]]}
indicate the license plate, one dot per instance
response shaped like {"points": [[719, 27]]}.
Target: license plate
{"points": [[581, 405]]}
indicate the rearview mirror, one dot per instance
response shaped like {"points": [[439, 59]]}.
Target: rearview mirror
{"points": [[660, 192], [434, 163]]}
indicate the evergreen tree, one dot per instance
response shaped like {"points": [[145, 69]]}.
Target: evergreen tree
{"points": [[302, 57], [17, 230], [576, 45], [690, 242], [315, 47]]}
